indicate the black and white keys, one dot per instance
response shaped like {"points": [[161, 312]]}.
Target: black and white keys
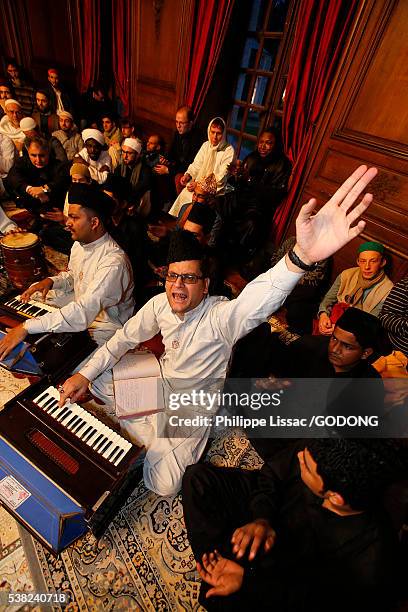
{"points": [[102, 439], [32, 308]]}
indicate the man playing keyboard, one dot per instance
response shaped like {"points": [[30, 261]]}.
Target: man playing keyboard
{"points": [[98, 282], [199, 331]]}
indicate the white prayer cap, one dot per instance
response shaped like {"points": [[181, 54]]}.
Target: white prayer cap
{"points": [[27, 124], [11, 101], [132, 143], [64, 113], [95, 134]]}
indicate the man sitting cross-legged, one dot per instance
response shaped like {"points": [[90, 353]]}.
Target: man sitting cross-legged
{"points": [[365, 286], [98, 282], [306, 532], [199, 331]]}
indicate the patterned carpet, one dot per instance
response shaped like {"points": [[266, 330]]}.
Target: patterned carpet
{"points": [[143, 561]]}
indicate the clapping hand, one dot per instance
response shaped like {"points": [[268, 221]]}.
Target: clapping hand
{"points": [[224, 575]]}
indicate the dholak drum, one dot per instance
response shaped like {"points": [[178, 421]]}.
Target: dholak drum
{"points": [[23, 259]]}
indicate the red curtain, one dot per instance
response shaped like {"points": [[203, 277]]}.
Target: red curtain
{"points": [[89, 40], [322, 29], [212, 19], [121, 33]]}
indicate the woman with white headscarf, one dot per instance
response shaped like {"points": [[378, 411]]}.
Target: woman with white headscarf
{"points": [[214, 157]]}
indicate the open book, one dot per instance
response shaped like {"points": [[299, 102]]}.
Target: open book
{"points": [[137, 385]]}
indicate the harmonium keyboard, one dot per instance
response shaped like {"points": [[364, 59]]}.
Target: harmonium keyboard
{"points": [[55, 354], [62, 471]]}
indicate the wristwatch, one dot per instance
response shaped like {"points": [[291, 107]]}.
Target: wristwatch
{"points": [[299, 263]]}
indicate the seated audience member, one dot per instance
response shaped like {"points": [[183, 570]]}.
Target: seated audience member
{"points": [[43, 115], [199, 331], [38, 179], [59, 97], [186, 141], [364, 287], [39, 182], [21, 86], [394, 316], [113, 138], [127, 128], [68, 135], [30, 129], [10, 123], [204, 193], [200, 221], [132, 177], [162, 190], [153, 153], [5, 94], [301, 306], [94, 155], [98, 282], [7, 158], [306, 532], [111, 132], [214, 157], [95, 103], [261, 183]]}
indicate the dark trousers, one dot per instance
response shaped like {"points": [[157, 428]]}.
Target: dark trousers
{"points": [[216, 502]]}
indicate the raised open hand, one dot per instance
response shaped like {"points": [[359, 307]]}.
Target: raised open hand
{"points": [[319, 236]]}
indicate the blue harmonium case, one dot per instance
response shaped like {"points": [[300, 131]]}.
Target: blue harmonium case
{"points": [[36, 502]]}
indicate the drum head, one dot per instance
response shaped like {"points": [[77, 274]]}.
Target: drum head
{"points": [[19, 240]]}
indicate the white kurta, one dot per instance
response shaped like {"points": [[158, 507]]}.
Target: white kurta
{"points": [[6, 224], [95, 166], [100, 279], [197, 351], [223, 159]]}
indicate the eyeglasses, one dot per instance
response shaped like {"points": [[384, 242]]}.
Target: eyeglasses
{"points": [[186, 279]]}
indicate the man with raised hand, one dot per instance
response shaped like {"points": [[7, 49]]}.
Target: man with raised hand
{"points": [[199, 331]]}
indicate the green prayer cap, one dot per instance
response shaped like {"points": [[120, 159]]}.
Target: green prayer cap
{"points": [[371, 246]]}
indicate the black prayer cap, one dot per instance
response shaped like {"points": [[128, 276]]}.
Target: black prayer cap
{"points": [[93, 198], [184, 246], [365, 326], [203, 215]]}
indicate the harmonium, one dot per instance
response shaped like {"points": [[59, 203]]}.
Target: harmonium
{"points": [[62, 470], [48, 354]]}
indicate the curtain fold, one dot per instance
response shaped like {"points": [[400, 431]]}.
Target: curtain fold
{"points": [[121, 33], [89, 30], [322, 29], [211, 23]]}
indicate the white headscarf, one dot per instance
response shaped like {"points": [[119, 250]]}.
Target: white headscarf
{"points": [[209, 160]]}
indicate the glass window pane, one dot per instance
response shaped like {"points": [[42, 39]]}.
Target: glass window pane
{"points": [[249, 54], [237, 115], [277, 16], [253, 122], [258, 15], [233, 140], [243, 84], [247, 146], [260, 90], [269, 54]]}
